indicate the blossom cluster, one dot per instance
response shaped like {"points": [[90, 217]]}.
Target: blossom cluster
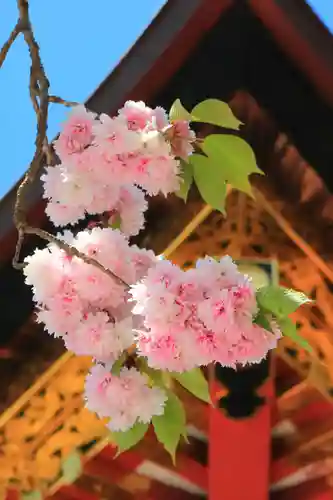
{"points": [[108, 163], [127, 397], [107, 166], [81, 303], [176, 320], [200, 316], [90, 310]]}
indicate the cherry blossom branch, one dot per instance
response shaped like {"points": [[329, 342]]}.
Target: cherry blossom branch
{"points": [[73, 252], [40, 99], [70, 250]]}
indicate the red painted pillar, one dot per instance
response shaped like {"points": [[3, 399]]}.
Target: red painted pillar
{"points": [[12, 494], [239, 452]]}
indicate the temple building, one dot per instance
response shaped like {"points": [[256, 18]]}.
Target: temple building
{"points": [[270, 433]]}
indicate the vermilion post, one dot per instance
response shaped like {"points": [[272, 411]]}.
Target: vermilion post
{"points": [[239, 453], [12, 494]]}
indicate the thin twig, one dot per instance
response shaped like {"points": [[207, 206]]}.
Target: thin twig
{"points": [[7, 45], [19, 243], [58, 100], [70, 250]]}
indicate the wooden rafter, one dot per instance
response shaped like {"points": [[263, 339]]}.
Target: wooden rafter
{"points": [[312, 490]]}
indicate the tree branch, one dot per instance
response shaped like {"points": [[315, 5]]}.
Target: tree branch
{"points": [[7, 45], [40, 99], [58, 100], [39, 91]]}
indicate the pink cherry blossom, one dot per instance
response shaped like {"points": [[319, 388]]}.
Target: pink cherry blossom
{"points": [[137, 115], [165, 352], [61, 215], [160, 119], [66, 185], [200, 316], [100, 336], [126, 399], [155, 144], [253, 346], [104, 157], [72, 195], [76, 133], [142, 260], [161, 174], [100, 183], [181, 138], [130, 209], [114, 137], [80, 302]]}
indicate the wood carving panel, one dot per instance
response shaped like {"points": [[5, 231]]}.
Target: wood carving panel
{"points": [[52, 424]]}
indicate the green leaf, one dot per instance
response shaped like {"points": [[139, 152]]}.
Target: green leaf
{"points": [[167, 379], [195, 382], [118, 364], [170, 426], [209, 180], [187, 180], [178, 112], [156, 376], [280, 301], [32, 495], [289, 329], [233, 158], [127, 439], [116, 222], [262, 320], [215, 112], [71, 468]]}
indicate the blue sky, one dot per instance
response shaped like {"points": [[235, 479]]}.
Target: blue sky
{"points": [[81, 41], [324, 9]]}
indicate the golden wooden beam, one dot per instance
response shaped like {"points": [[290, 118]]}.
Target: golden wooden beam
{"points": [[294, 236], [296, 398]]}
